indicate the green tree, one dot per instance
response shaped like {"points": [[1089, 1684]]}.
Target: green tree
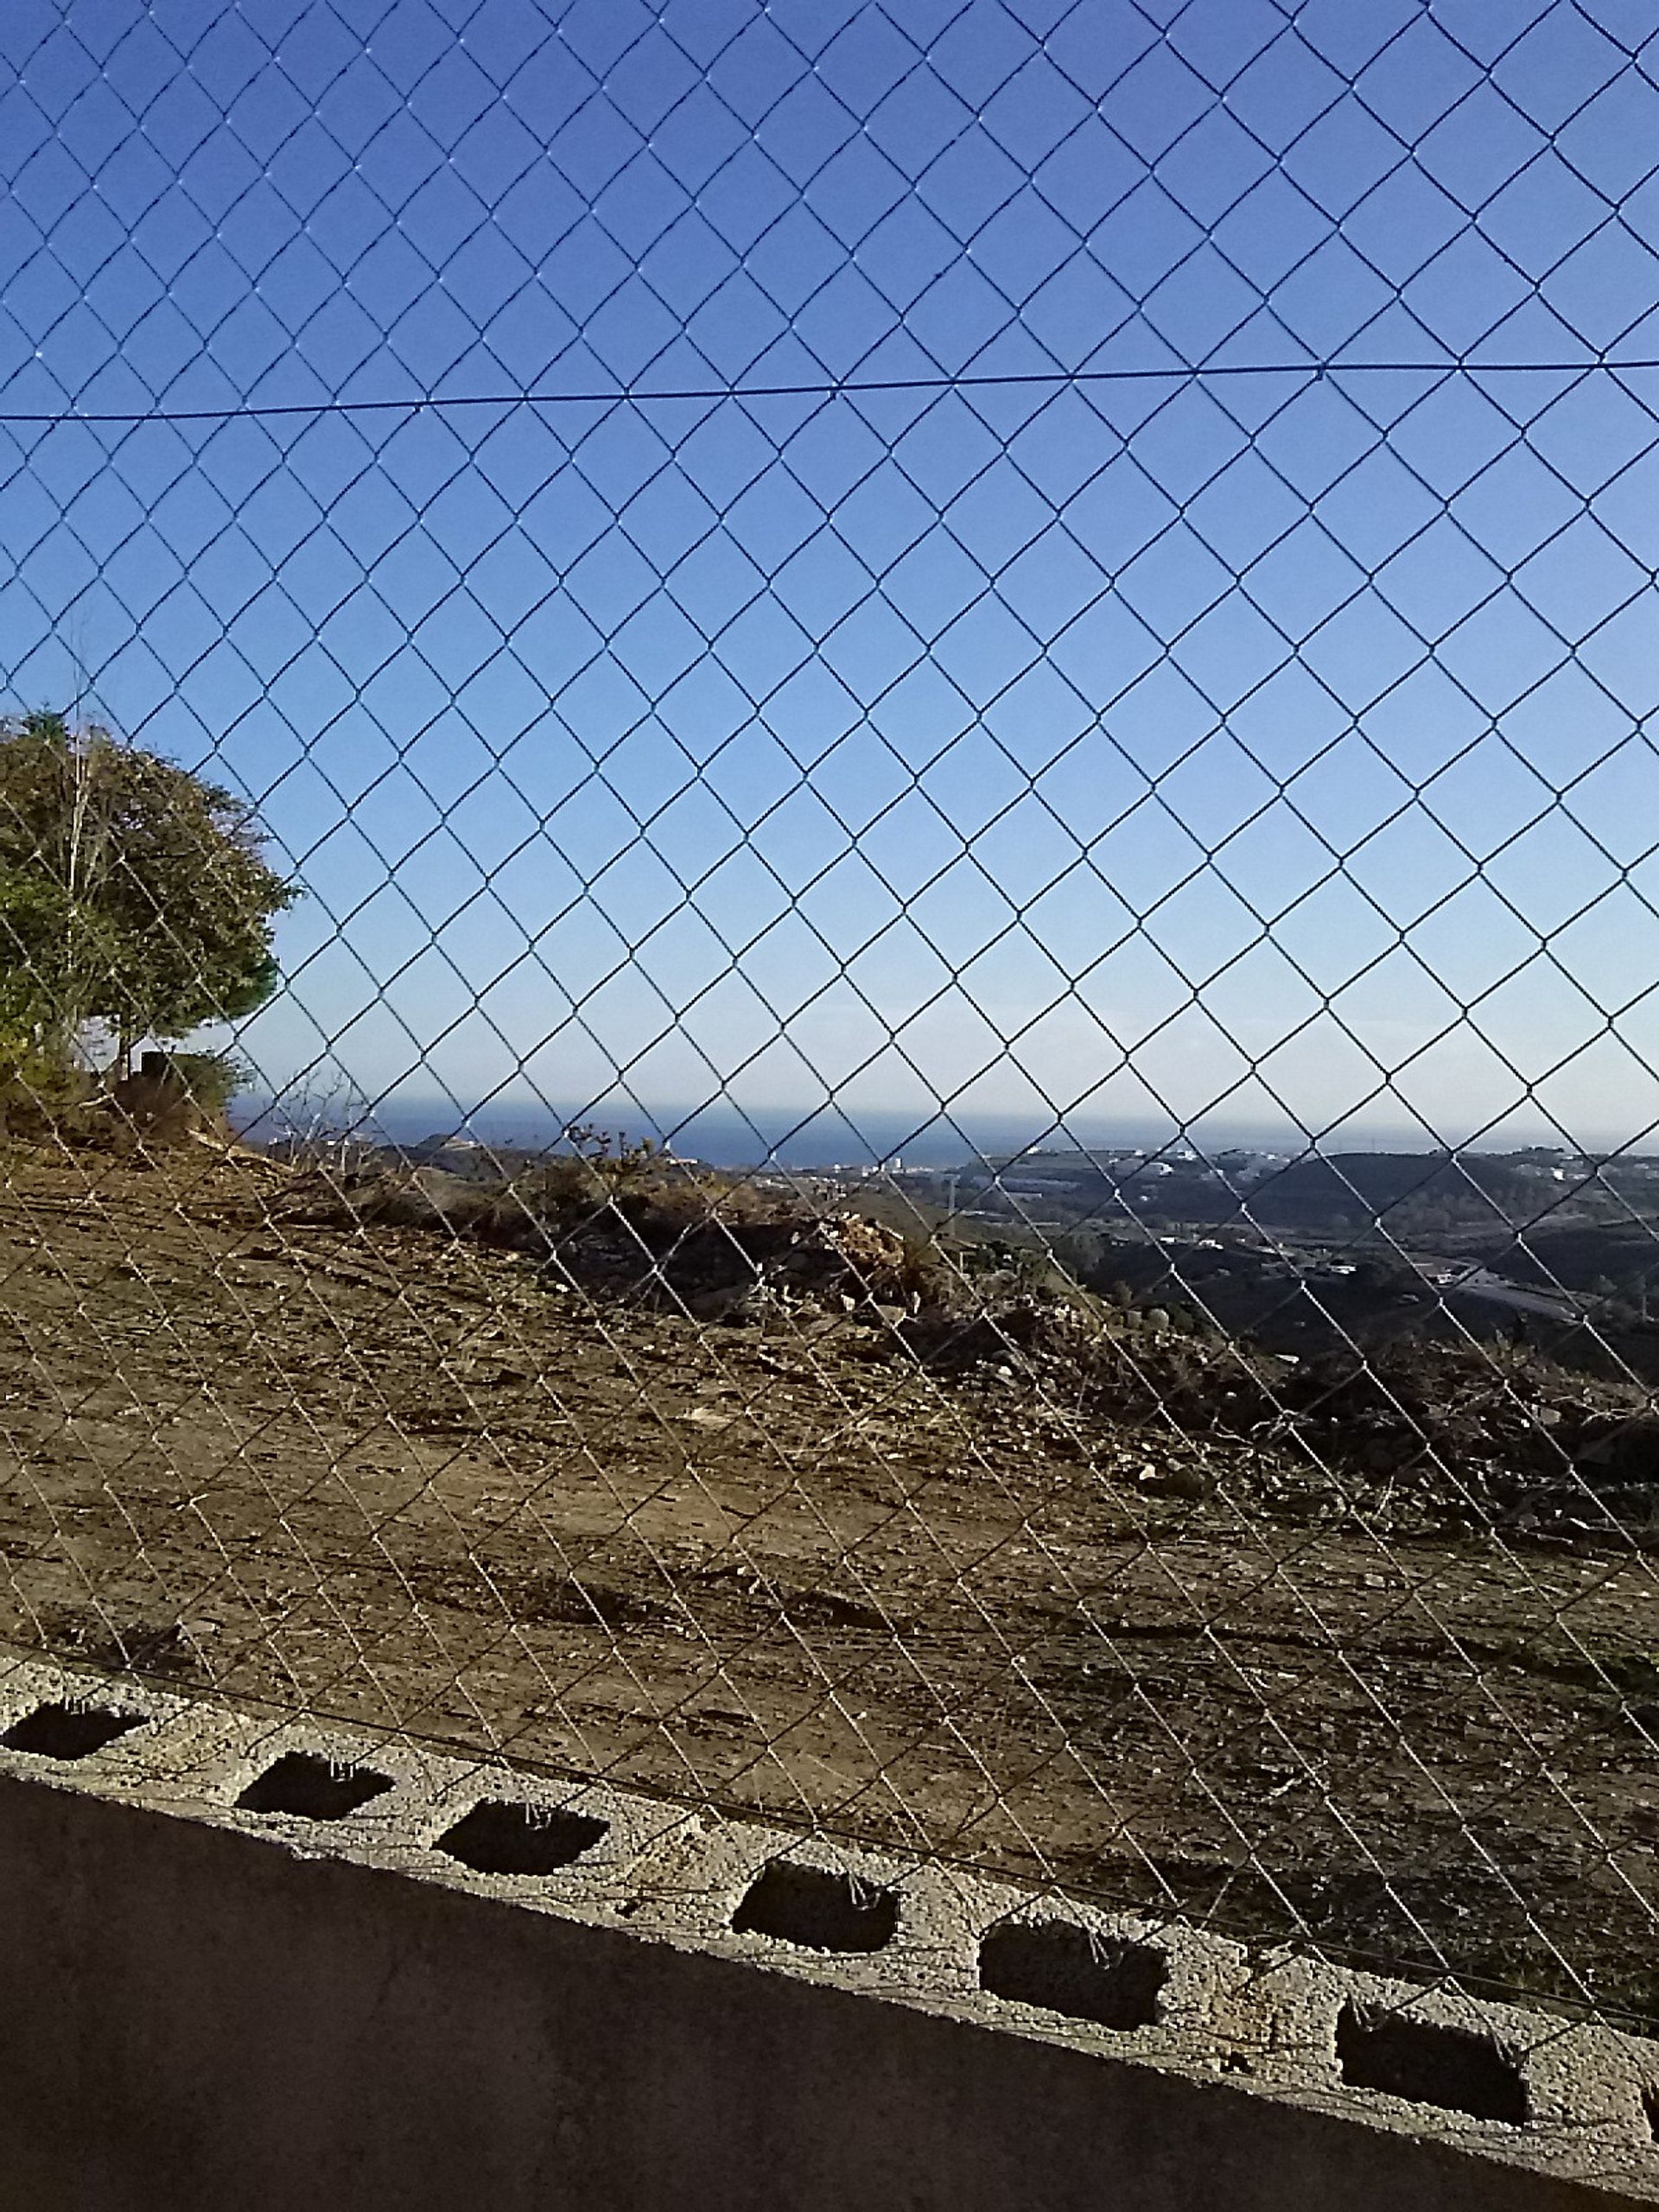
{"points": [[1081, 1254], [133, 895]]}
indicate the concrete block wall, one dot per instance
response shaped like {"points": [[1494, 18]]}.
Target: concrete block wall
{"points": [[260, 1965]]}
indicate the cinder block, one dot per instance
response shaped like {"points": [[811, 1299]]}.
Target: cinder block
{"points": [[275, 1966]]}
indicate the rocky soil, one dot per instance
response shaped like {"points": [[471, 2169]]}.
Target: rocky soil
{"points": [[1366, 1661]]}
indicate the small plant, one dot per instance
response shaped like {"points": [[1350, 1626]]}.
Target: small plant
{"points": [[322, 1121], [561, 1191], [41, 1097], [615, 1158], [209, 1080]]}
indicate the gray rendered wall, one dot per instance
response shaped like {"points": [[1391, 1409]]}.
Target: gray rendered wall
{"points": [[211, 2008]]}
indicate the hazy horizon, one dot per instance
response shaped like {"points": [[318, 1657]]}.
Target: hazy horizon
{"points": [[728, 1136]]}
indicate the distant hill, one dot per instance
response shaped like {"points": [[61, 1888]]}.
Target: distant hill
{"points": [[1350, 1187]]}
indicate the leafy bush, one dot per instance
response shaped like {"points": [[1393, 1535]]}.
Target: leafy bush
{"points": [[209, 1080]]}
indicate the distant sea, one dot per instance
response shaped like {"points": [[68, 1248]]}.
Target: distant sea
{"points": [[726, 1136]]}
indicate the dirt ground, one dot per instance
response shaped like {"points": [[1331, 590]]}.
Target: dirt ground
{"points": [[393, 1478]]}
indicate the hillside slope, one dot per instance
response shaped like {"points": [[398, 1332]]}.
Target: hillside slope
{"points": [[986, 1606]]}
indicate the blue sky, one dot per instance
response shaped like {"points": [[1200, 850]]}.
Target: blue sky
{"points": [[1243, 704]]}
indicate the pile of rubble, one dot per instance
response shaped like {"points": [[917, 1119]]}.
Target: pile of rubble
{"points": [[1510, 1438], [696, 1244], [1432, 1434], [1435, 1434]]}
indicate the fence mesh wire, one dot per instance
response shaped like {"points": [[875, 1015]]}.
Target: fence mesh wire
{"points": [[952, 1140]]}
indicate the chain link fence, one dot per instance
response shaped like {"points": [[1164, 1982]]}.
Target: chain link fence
{"points": [[953, 1138]]}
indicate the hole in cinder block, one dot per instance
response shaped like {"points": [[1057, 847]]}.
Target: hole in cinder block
{"points": [[1457, 2068], [300, 1783], [68, 1732], [824, 1911], [497, 1837], [1073, 1970], [1650, 2107]]}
